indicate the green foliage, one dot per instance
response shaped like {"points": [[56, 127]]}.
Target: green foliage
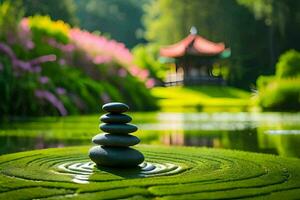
{"points": [[86, 70], [275, 13], [282, 91], [13, 91], [282, 19], [42, 26], [58, 9], [146, 56], [288, 65], [163, 16], [260, 8], [9, 17], [169, 21], [257, 32], [280, 95], [117, 18], [196, 173], [263, 81]]}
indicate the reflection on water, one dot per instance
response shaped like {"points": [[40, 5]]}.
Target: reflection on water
{"points": [[274, 133]]}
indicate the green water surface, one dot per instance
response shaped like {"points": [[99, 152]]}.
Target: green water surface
{"points": [[275, 133]]}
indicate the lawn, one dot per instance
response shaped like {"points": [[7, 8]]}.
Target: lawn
{"points": [[179, 173], [203, 98]]}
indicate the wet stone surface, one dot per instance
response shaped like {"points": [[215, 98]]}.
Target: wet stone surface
{"points": [[118, 128], [116, 156], [115, 107], [106, 139], [115, 118], [113, 149]]}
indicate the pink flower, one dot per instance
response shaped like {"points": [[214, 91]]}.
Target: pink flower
{"points": [[30, 66], [60, 90], [150, 83], [101, 59], [143, 74], [105, 97], [37, 69], [43, 79], [24, 34], [122, 72], [43, 59], [67, 48], [134, 70], [62, 61], [51, 98], [95, 45]]}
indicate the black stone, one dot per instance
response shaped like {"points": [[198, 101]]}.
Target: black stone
{"points": [[115, 118], [116, 156], [107, 139], [115, 107], [118, 128]]}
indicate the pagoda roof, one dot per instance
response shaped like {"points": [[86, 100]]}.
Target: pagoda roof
{"points": [[193, 44]]}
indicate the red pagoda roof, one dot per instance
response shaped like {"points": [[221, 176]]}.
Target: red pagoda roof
{"points": [[193, 45]]}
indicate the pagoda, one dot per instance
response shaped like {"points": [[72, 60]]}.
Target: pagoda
{"points": [[193, 57]]}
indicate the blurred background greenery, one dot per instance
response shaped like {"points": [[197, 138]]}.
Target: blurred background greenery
{"points": [[114, 55]]}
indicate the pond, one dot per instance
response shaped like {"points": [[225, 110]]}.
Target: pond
{"points": [[275, 133]]}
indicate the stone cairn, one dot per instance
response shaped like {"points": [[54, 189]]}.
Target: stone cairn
{"points": [[114, 150]]}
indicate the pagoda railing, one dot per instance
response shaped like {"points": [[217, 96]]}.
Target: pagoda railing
{"points": [[202, 80]]}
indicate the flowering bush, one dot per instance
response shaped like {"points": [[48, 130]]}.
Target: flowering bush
{"points": [[51, 68], [44, 26], [146, 56]]}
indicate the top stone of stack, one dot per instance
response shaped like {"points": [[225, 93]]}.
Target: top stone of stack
{"points": [[115, 107]]}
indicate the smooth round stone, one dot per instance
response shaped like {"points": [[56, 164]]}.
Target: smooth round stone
{"points": [[120, 157], [118, 128], [115, 107], [107, 139], [115, 118]]}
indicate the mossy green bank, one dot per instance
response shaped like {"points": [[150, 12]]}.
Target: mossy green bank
{"points": [[202, 98]]}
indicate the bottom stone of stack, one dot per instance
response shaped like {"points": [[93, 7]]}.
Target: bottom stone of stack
{"points": [[120, 157]]}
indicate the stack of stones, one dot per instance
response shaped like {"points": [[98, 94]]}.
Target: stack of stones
{"points": [[114, 150]]}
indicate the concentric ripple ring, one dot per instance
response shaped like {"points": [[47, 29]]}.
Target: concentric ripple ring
{"points": [[81, 171], [168, 173]]}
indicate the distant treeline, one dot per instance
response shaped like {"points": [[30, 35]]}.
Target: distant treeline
{"points": [[257, 32]]}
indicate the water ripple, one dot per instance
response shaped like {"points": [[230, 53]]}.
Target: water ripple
{"points": [[81, 171]]}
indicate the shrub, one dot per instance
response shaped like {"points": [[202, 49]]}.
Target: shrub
{"points": [[263, 81], [44, 26], [146, 56], [282, 91], [280, 95], [85, 71], [9, 18], [288, 65]]}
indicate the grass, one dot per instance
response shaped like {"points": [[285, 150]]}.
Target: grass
{"points": [[183, 173], [204, 98]]}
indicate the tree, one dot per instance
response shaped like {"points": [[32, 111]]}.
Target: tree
{"points": [[168, 21], [118, 18], [283, 19], [57, 9]]}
